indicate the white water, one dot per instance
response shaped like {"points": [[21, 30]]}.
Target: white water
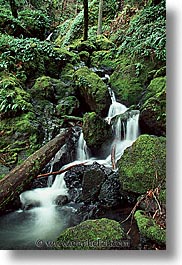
{"points": [[44, 221], [82, 149]]}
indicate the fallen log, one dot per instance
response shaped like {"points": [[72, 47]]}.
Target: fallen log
{"points": [[20, 177]]}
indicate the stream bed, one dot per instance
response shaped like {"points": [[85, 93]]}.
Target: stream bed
{"points": [[41, 217]]}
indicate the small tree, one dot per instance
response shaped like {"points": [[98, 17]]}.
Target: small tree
{"points": [[13, 8], [85, 5], [99, 29]]}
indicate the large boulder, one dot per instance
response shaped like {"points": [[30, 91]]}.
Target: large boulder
{"points": [[93, 235], [143, 165], [92, 91], [94, 185], [153, 110], [96, 131]]}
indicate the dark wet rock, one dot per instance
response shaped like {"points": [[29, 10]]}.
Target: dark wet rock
{"points": [[93, 178], [95, 185], [61, 200], [73, 180], [39, 183], [109, 195]]}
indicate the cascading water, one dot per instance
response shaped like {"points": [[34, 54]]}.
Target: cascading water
{"points": [[82, 149], [44, 220]]}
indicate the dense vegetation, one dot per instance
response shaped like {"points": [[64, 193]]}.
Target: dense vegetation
{"points": [[47, 79]]}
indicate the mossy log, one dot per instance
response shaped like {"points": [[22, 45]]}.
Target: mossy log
{"points": [[17, 180]]}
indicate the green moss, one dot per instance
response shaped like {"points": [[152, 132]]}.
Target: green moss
{"points": [[93, 90], [156, 86], [130, 79], [162, 197], [103, 59], [153, 110], [103, 43], [84, 56], [19, 138], [143, 165], [67, 106], [149, 229], [91, 234], [67, 73], [80, 45], [96, 131]]}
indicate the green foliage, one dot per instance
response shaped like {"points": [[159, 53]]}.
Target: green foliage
{"points": [[36, 22], [13, 99], [146, 35], [30, 56]]}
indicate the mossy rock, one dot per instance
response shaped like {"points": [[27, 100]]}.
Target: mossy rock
{"points": [[81, 45], [54, 65], [153, 110], [96, 131], [143, 165], [127, 85], [50, 89], [103, 43], [149, 229], [67, 106], [20, 137], [84, 57], [67, 74], [130, 79], [156, 85], [101, 234], [93, 91]]}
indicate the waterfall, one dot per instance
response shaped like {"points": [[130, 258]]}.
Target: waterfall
{"points": [[82, 149], [43, 218], [132, 130]]}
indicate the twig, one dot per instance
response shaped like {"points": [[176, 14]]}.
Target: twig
{"points": [[113, 153], [58, 172], [133, 210]]}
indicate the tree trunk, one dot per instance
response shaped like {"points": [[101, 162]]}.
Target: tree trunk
{"points": [[13, 8], [85, 5], [99, 29], [17, 180]]}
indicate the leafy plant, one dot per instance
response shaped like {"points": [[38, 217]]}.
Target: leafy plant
{"points": [[146, 34]]}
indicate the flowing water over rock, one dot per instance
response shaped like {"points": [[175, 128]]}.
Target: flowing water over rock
{"points": [[44, 216]]}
